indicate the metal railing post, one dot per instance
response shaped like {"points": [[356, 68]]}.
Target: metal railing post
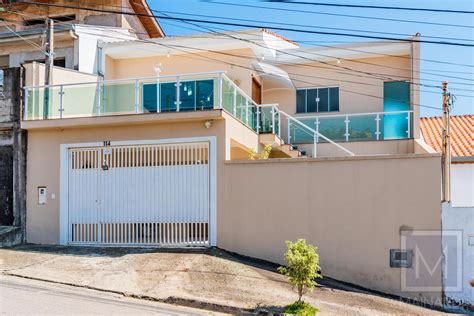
{"points": [[25, 107], [219, 90], [315, 145], [158, 94], [247, 111], [377, 120], [346, 121], [258, 120], [99, 98], [289, 130], [234, 107], [137, 97], [317, 129], [178, 99], [408, 125], [61, 105], [279, 125], [273, 120]]}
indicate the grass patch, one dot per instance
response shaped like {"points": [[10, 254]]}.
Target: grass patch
{"points": [[301, 309]]}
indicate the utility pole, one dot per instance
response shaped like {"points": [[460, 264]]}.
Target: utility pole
{"points": [[446, 146], [48, 72]]}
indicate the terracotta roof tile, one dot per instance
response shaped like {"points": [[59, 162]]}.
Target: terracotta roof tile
{"points": [[462, 134]]}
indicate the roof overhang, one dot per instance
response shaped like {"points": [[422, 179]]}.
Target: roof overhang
{"points": [[150, 23], [262, 43], [273, 77]]}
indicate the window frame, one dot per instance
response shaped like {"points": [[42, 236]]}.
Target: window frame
{"points": [[317, 106]]}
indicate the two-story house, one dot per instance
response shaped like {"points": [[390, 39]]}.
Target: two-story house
{"points": [[151, 149]]}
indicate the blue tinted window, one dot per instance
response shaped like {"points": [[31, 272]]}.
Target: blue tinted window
{"points": [[317, 100]]}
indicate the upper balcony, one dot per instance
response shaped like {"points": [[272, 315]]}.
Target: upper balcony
{"points": [[207, 91]]}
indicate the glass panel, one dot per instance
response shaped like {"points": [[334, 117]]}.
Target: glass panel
{"points": [[333, 128], [395, 126], [118, 97], [277, 123], [362, 127], [241, 107], [168, 97], [187, 95], [79, 101], [228, 96], [312, 100], [334, 99], [299, 134], [396, 98], [300, 101], [205, 94], [323, 104], [150, 97], [252, 116], [266, 120]]}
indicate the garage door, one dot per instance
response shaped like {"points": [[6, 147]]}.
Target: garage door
{"points": [[139, 195]]}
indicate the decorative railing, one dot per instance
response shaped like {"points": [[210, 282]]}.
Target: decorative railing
{"points": [[177, 93]]}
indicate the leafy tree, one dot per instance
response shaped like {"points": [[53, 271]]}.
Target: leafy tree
{"points": [[303, 266]]}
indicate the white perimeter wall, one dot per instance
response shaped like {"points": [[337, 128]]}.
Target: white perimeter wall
{"points": [[462, 219], [462, 185]]}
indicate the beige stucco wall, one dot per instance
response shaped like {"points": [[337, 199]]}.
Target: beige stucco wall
{"points": [[43, 158], [34, 75], [323, 75], [185, 64], [351, 208]]}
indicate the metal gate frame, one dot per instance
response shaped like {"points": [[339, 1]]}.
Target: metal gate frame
{"points": [[64, 182]]}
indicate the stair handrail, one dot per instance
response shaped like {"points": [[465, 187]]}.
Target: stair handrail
{"points": [[315, 133]]}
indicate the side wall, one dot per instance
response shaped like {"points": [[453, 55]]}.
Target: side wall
{"points": [[461, 219], [462, 185], [351, 208]]}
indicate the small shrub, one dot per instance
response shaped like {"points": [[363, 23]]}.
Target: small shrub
{"points": [[267, 149], [301, 309], [303, 266]]}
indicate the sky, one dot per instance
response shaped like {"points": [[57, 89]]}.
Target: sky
{"points": [[460, 76]]}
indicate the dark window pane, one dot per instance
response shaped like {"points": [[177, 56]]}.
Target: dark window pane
{"points": [[312, 100], [149, 97], [323, 104], [168, 97], [205, 94], [187, 95], [334, 99], [300, 101]]}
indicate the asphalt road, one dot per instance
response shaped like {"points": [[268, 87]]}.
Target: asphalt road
{"points": [[28, 297]]}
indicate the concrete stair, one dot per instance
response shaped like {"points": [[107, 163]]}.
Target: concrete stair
{"points": [[279, 148]]}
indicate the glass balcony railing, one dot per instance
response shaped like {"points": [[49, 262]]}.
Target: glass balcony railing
{"points": [[192, 92], [353, 127]]}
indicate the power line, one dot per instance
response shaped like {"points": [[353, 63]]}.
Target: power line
{"points": [[33, 44], [369, 6], [341, 15], [309, 26], [251, 25]]}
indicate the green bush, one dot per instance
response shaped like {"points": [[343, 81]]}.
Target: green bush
{"points": [[303, 266], [301, 309]]}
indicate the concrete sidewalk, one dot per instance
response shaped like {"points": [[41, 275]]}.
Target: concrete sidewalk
{"points": [[210, 279]]}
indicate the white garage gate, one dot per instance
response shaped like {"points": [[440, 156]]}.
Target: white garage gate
{"points": [[138, 195]]}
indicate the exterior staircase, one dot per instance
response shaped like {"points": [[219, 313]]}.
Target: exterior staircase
{"points": [[279, 148]]}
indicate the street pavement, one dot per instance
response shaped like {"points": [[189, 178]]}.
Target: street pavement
{"points": [[20, 296]]}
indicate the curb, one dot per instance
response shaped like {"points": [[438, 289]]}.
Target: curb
{"points": [[172, 300]]}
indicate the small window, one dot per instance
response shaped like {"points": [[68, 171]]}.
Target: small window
{"points": [[57, 19], [317, 100]]}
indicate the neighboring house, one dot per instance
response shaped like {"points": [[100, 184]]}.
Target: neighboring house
{"points": [[155, 153], [22, 41], [458, 215]]}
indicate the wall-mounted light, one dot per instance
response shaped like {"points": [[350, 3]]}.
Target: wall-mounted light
{"points": [[158, 68], [168, 55], [338, 61], [208, 124]]}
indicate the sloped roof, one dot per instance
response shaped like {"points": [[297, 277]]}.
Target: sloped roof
{"points": [[151, 25], [462, 134]]}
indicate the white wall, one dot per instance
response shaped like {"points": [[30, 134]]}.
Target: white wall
{"points": [[462, 185], [462, 219]]}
